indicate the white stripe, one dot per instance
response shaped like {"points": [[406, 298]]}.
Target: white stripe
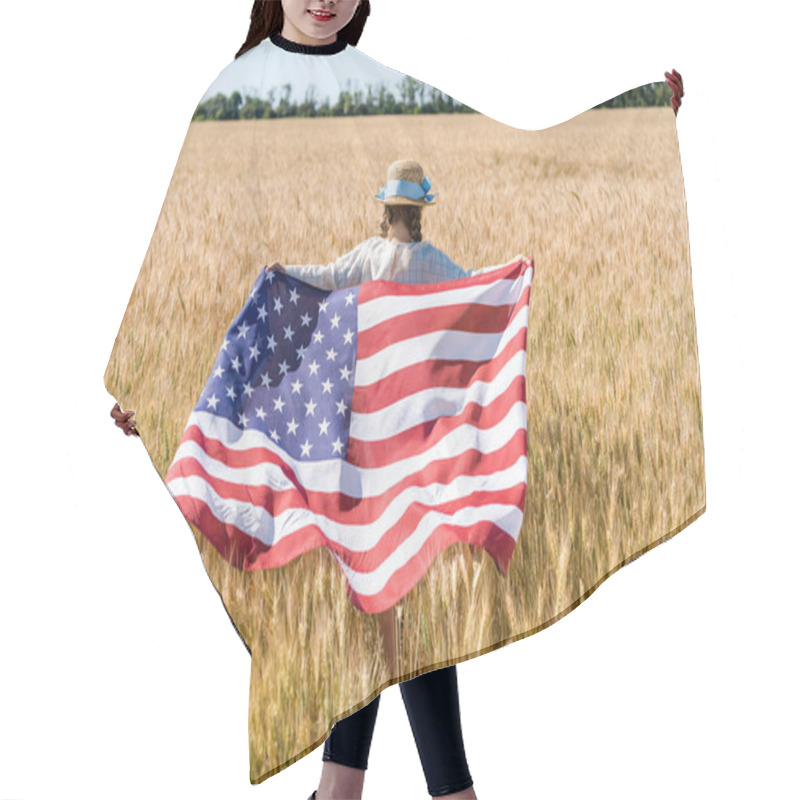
{"points": [[498, 293], [509, 518], [443, 344], [337, 475], [428, 404], [259, 524]]}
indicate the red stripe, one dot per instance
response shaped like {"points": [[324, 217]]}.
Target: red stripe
{"points": [[249, 554], [432, 374], [248, 457], [425, 435], [468, 317], [373, 290], [493, 539], [342, 508]]}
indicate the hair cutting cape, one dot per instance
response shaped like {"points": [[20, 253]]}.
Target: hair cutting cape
{"points": [[476, 453]]}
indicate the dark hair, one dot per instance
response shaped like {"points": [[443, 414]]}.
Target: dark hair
{"points": [[266, 18], [410, 215]]}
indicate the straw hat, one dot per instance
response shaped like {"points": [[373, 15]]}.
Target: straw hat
{"points": [[406, 185]]}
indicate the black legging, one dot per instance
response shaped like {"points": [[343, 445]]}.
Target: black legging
{"points": [[431, 701]]}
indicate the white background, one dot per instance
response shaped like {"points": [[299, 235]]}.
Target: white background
{"points": [[120, 674]]}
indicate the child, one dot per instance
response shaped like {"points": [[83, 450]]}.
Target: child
{"points": [[398, 254], [431, 699]]}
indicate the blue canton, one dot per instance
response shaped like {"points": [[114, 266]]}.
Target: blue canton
{"points": [[287, 367]]}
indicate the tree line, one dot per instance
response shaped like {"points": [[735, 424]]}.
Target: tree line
{"points": [[651, 94], [415, 97]]}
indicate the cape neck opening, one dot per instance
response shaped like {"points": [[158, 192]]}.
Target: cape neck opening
{"points": [[308, 49]]}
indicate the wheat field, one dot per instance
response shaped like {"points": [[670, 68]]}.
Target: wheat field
{"points": [[615, 444]]}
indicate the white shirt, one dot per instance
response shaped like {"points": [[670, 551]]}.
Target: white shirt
{"points": [[372, 260]]}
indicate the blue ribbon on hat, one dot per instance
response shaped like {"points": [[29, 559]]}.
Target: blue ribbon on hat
{"points": [[408, 189]]}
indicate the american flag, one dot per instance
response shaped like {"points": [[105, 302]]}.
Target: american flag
{"points": [[384, 421]]}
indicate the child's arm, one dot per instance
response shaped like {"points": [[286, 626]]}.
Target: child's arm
{"points": [[344, 271], [453, 271], [319, 275]]}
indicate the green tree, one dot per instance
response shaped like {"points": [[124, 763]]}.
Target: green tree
{"points": [[651, 94], [414, 98]]}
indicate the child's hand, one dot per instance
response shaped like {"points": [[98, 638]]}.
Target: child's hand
{"points": [[276, 266]]}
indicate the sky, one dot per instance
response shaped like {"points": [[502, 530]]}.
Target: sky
{"points": [[349, 70]]}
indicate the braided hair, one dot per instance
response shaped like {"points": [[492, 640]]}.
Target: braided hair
{"points": [[266, 18], [410, 215]]}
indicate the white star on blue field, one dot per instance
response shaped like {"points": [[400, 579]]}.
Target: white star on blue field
{"points": [[286, 367]]}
